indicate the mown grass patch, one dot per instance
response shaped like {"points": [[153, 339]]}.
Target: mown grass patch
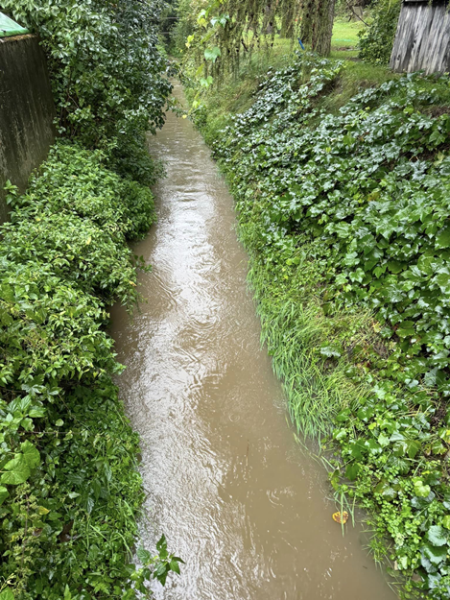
{"points": [[345, 33]]}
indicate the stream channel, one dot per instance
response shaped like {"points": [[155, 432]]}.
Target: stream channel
{"points": [[225, 478]]}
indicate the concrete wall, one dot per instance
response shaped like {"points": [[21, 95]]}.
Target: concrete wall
{"points": [[26, 111]]}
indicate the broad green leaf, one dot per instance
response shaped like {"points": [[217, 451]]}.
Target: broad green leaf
{"points": [[421, 490], [212, 53], [3, 494], [437, 535], [436, 555], [383, 440], [143, 555], [174, 566], [30, 454], [373, 447], [413, 447], [17, 471], [343, 230], [351, 471], [443, 238]]}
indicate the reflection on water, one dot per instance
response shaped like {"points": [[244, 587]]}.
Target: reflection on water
{"points": [[226, 481]]}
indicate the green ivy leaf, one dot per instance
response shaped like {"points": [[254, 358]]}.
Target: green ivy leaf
{"points": [[436, 555], [443, 238]]}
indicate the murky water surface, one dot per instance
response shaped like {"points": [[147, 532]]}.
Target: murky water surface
{"points": [[226, 480]]}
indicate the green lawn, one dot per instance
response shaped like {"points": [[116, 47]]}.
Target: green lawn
{"points": [[345, 34]]}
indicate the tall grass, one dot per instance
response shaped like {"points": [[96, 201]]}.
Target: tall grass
{"points": [[294, 328]]}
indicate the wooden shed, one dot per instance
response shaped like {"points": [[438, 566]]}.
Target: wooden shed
{"points": [[422, 41]]}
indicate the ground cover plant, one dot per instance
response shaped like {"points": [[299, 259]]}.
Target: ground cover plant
{"points": [[70, 491], [343, 205]]}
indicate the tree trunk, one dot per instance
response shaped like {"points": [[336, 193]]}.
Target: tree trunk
{"points": [[317, 25]]}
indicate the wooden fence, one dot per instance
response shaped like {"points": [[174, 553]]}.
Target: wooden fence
{"points": [[422, 41]]}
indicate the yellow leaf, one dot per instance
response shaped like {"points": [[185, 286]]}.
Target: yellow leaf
{"points": [[42, 510], [88, 241], [376, 327], [340, 517]]}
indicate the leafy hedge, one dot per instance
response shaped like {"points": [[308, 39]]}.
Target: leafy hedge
{"points": [[106, 73], [346, 217], [69, 488]]}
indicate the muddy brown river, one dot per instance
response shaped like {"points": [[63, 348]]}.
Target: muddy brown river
{"points": [[226, 481]]}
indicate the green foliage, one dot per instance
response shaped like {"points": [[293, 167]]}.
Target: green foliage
{"points": [[184, 26], [70, 491], [106, 72], [223, 34], [345, 215], [375, 44], [73, 219]]}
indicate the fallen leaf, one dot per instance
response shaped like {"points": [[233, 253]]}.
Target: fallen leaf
{"points": [[340, 517]]}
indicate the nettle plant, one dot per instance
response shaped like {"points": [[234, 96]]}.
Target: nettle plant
{"points": [[364, 193]]}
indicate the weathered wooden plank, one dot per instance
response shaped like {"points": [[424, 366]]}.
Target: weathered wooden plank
{"points": [[422, 41]]}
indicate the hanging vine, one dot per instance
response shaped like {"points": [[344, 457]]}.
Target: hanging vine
{"points": [[227, 30]]}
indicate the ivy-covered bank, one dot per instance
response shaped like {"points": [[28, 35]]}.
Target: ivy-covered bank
{"points": [[346, 215]]}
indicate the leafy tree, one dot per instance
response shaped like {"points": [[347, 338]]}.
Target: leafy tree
{"points": [[225, 31]]}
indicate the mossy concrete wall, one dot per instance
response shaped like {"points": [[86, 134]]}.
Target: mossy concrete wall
{"points": [[26, 111]]}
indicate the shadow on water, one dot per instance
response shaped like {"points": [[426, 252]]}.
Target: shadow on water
{"points": [[226, 480]]}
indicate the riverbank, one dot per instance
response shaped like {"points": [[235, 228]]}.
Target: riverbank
{"points": [[71, 492], [70, 489], [341, 200]]}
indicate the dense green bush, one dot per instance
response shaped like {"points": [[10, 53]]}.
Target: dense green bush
{"points": [[106, 72], [69, 488], [346, 217], [74, 218], [375, 44]]}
